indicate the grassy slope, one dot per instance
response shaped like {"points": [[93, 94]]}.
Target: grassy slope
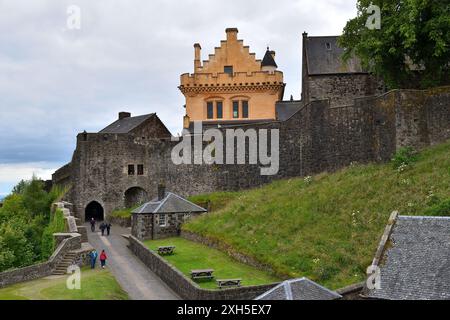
{"points": [[189, 256], [95, 285], [328, 229]]}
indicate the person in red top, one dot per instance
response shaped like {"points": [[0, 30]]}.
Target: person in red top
{"points": [[103, 258]]}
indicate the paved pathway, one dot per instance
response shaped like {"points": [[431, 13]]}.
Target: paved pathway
{"points": [[135, 278]]}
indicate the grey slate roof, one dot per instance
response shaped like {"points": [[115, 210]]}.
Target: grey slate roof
{"points": [[171, 203], [324, 60], [416, 263], [299, 289], [268, 60], [125, 125], [286, 109]]}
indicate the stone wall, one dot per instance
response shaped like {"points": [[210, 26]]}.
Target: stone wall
{"points": [[341, 89], [43, 269], [320, 137], [183, 286]]}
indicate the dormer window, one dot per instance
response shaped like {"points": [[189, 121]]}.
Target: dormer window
{"points": [[228, 70], [328, 45]]}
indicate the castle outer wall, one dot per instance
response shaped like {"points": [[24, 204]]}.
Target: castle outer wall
{"points": [[319, 137]]}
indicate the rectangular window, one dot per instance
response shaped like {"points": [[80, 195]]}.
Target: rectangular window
{"points": [[162, 220], [228, 69], [235, 109], [244, 109], [209, 110], [140, 169], [131, 169], [219, 110]]}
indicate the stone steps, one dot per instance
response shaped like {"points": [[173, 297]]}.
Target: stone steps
{"points": [[68, 260]]}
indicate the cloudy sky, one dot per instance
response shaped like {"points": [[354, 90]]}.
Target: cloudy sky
{"points": [[127, 56]]}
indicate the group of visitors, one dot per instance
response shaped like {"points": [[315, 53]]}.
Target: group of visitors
{"points": [[93, 255], [103, 226]]}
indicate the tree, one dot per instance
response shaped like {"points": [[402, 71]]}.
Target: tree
{"points": [[18, 251], [412, 43], [36, 200]]}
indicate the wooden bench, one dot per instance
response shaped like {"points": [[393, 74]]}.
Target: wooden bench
{"points": [[166, 250], [202, 274], [227, 283]]}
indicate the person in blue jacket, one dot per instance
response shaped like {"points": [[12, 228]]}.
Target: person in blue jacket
{"points": [[93, 255]]}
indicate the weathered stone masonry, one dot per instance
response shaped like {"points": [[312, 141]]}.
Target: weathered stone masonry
{"points": [[318, 138]]}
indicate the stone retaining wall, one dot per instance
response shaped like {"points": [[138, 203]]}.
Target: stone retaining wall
{"points": [[42, 269], [122, 222], [186, 288], [228, 249]]}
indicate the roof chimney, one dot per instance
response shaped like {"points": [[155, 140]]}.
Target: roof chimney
{"points": [[161, 191], [231, 34], [123, 115], [198, 57]]}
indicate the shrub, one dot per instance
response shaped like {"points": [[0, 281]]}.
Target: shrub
{"points": [[403, 157], [57, 224]]}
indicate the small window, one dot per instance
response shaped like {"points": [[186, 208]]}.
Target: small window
{"points": [[228, 69], [244, 109], [140, 169], [328, 45], [219, 109], [131, 169], [235, 109], [162, 220], [209, 110]]}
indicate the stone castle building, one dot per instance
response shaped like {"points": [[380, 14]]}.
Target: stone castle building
{"points": [[342, 118], [232, 86]]}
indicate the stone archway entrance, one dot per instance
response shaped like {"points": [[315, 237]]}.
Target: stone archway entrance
{"points": [[135, 196], [94, 210]]}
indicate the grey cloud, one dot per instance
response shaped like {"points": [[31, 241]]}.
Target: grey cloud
{"points": [[128, 55]]}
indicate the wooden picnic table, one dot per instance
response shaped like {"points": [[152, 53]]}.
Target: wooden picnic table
{"points": [[202, 274], [226, 283], [166, 250]]}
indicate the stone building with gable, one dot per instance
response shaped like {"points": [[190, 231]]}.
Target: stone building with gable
{"points": [[326, 76], [232, 86]]}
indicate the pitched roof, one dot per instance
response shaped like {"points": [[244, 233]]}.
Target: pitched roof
{"points": [[268, 59], [171, 203], [324, 56], [286, 109], [126, 125], [299, 289], [416, 263]]}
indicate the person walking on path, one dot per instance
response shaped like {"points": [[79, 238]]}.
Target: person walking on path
{"points": [[92, 222], [93, 255], [102, 228], [108, 228], [103, 258]]}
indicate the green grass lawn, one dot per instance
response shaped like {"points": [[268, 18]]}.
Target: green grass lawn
{"points": [[190, 255], [95, 285], [326, 228]]}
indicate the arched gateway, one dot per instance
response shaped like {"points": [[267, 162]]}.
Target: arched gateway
{"points": [[94, 210], [135, 196]]}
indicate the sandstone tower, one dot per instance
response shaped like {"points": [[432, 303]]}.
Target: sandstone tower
{"points": [[232, 86]]}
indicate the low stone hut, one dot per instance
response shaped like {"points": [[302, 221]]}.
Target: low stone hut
{"points": [[162, 217]]}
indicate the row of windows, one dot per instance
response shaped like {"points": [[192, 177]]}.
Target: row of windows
{"points": [[240, 109], [132, 171]]}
